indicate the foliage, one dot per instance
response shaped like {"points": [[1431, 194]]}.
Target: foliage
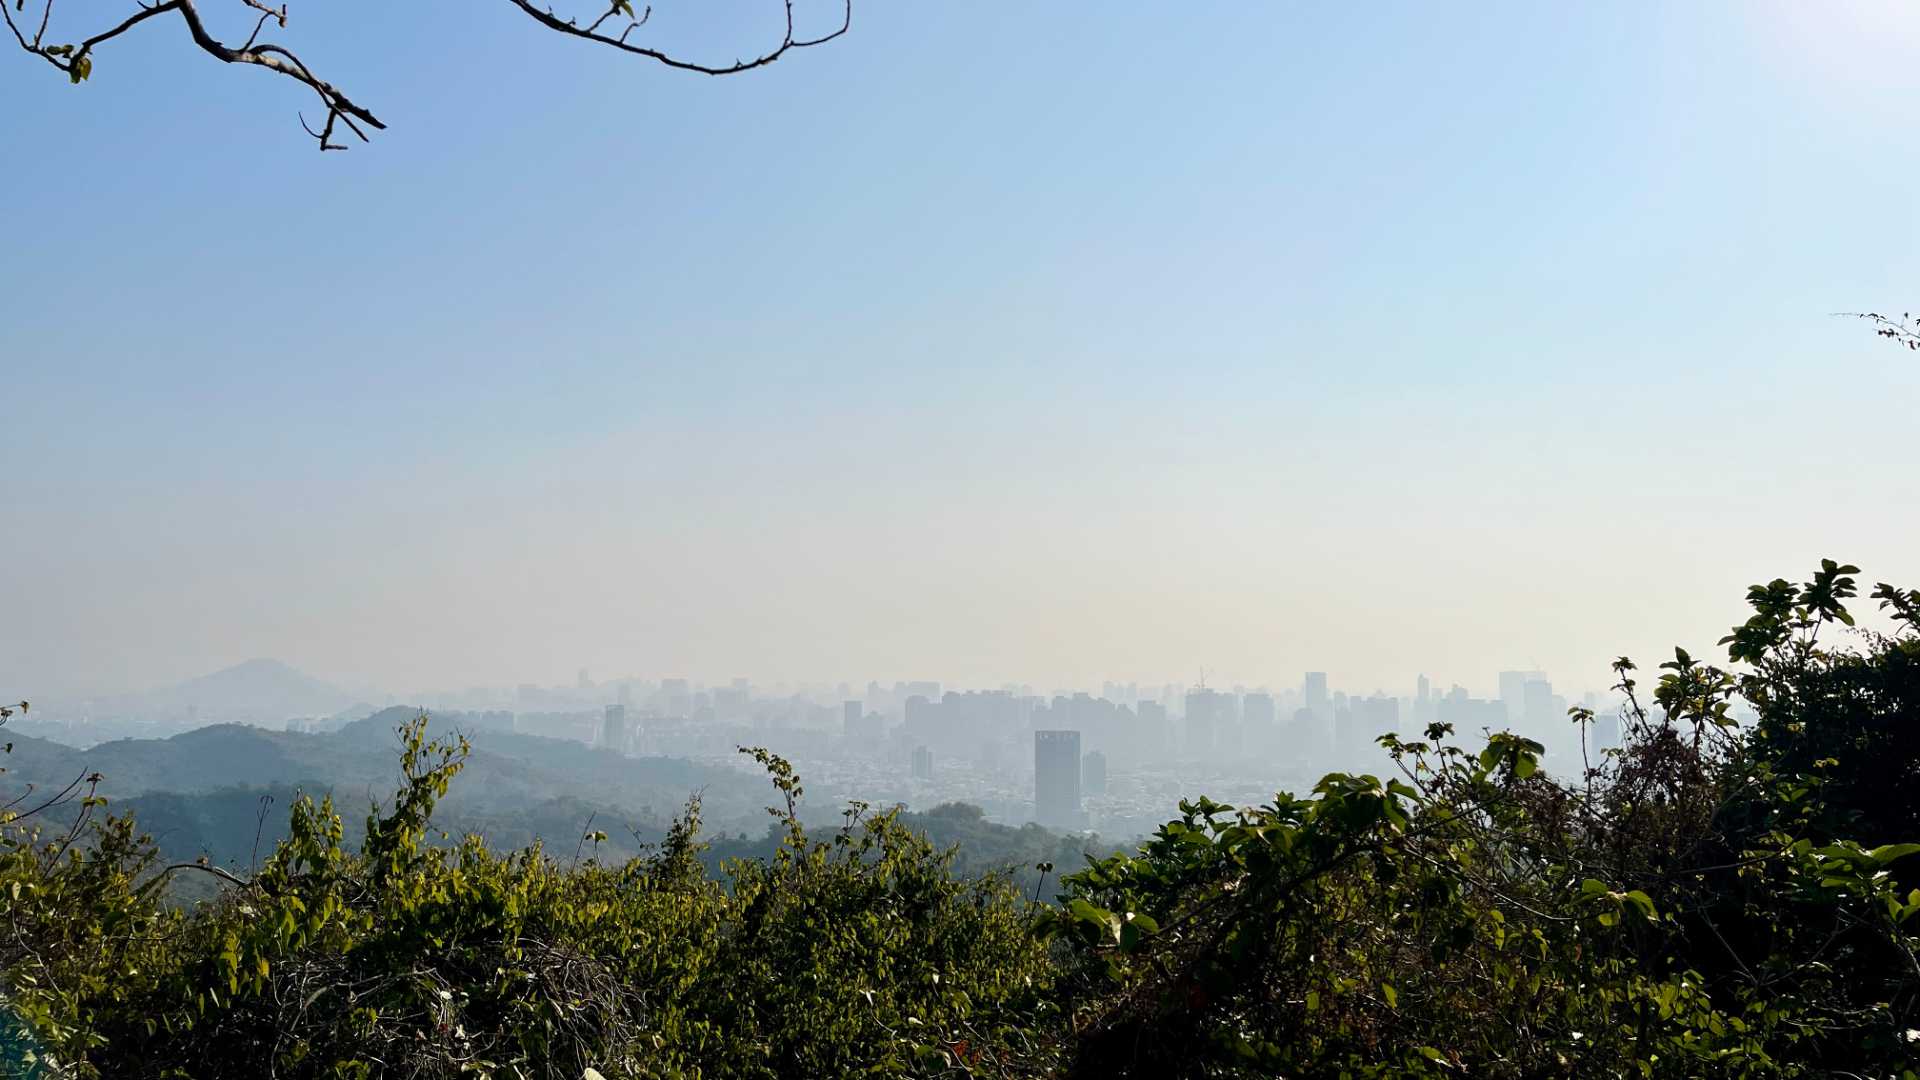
{"points": [[1712, 897], [979, 847], [1705, 900], [854, 954]]}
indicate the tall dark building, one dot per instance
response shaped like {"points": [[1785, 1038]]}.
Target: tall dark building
{"points": [[1093, 773], [1056, 779], [922, 763], [613, 729]]}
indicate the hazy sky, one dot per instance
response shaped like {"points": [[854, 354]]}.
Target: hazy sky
{"points": [[1045, 342]]}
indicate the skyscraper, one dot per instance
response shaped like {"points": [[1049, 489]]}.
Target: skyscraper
{"points": [[1371, 718], [613, 729], [1513, 692], [1606, 729], [1093, 773], [1155, 733], [1537, 709], [922, 763], [1204, 713], [1056, 779], [1259, 732], [1313, 695]]}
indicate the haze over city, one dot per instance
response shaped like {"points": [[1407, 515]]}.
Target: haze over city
{"points": [[805, 539], [1088, 350]]}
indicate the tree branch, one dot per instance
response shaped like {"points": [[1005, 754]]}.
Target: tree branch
{"points": [[76, 60], [787, 43]]}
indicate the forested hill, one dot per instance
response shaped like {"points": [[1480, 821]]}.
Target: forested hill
{"points": [[979, 846], [221, 792], [199, 792], [362, 754]]}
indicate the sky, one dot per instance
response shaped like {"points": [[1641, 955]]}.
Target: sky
{"points": [[1045, 343]]}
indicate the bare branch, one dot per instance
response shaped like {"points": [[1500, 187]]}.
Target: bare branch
{"points": [[76, 60], [787, 43]]}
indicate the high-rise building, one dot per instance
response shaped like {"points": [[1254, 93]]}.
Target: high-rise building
{"points": [[1536, 708], [613, 729], [922, 763], [1606, 729], [1314, 694], [850, 713], [1513, 692], [1469, 716], [1258, 727], [1371, 718], [676, 697], [1155, 736], [1423, 703], [1056, 779], [1205, 709], [1093, 773], [921, 717]]}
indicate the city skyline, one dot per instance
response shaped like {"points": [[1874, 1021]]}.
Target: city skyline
{"points": [[1106, 761]]}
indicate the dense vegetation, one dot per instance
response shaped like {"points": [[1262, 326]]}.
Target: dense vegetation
{"points": [[1710, 899]]}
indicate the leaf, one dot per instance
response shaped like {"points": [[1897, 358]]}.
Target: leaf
{"points": [[1393, 996], [1886, 853]]}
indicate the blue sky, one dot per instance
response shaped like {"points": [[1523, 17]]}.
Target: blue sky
{"points": [[1050, 343]]}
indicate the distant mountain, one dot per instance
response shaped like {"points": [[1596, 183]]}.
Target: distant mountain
{"points": [[257, 691], [515, 785]]}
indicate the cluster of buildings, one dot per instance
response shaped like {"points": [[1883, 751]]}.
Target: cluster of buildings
{"points": [[1117, 762]]}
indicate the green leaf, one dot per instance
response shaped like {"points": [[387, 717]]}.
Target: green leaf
{"points": [[1886, 853]]}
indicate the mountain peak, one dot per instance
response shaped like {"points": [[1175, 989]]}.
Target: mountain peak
{"points": [[260, 690]]}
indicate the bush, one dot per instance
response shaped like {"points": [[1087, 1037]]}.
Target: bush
{"points": [[1708, 899]]}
